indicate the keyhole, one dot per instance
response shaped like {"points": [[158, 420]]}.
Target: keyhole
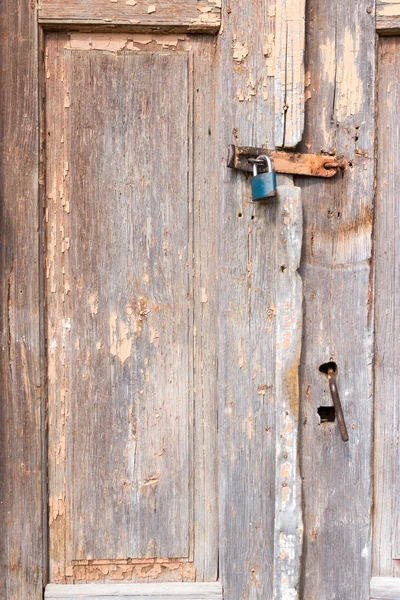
{"points": [[327, 414], [329, 366]]}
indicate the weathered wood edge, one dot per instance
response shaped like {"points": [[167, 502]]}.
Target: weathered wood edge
{"points": [[385, 588], [199, 17], [288, 510], [289, 72], [388, 17], [21, 415], [138, 591]]}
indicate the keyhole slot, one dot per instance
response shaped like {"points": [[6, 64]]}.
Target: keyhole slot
{"points": [[327, 414], [327, 367]]}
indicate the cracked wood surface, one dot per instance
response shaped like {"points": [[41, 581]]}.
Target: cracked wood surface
{"points": [[289, 72], [174, 15], [289, 317], [21, 541], [338, 320], [387, 323]]}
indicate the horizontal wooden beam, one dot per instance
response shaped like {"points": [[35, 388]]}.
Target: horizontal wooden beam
{"points": [[388, 16], [385, 588], [135, 591], [176, 15]]}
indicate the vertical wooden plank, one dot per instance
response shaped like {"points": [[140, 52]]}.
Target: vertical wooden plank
{"points": [[247, 306], [289, 316], [338, 320], [21, 565], [205, 308], [289, 72], [387, 322]]}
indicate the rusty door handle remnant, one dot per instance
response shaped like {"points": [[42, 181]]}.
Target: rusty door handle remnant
{"points": [[291, 163], [332, 376]]}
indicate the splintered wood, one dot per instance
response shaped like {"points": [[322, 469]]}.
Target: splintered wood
{"points": [[288, 511], [289, 72]]}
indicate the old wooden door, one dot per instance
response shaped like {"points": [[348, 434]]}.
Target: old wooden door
{"points": [[152, 315], [145, 294]]}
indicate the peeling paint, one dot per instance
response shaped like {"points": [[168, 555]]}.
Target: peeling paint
{"points": [[121, 343], [240, 51]]}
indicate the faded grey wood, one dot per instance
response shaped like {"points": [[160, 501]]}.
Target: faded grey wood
{"points": [[118, 320], [22, 569], [289, 317], [338, 319], [387, 323], [289, 72], [247, 280], [138, 591], [205, 312], [388, 16], [174, 15], [385, 588]]}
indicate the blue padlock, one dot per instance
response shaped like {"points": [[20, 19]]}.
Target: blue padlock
{"points": [[263, 186]]}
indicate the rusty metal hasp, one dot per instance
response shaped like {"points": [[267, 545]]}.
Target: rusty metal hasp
{"points": [[290, 163]]}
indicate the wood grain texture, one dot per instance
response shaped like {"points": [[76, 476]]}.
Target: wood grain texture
{"points": [[118, 285], [139, 591], [338, 320], [22, 572], [388, 16], [289, 317], [100, 127], [385, 588], [289, 72], [387, 323], [174, 15], [247, 280]]}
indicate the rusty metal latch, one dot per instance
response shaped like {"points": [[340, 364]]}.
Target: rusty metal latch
{"points": [[290, 163]]}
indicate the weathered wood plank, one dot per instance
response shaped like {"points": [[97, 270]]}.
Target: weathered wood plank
{"points": [[174, 15], [206, 314], [246, 267], [385, 588], [138, 591], [337, 278], [118, 284], [289, 72], [388, 16], [289, 316], [21, 562], [387, 322]]}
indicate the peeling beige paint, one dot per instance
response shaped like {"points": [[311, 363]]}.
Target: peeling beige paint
{"points": [[151, 9], [121, 343], [240, 51], [160, 569], [269, 53], [115, 42], [94, 303], [349, 84]]}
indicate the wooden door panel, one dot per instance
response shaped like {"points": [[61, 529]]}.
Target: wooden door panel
{"points": [[118, 294]]}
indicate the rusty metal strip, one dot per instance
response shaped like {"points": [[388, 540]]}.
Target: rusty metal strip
{"points": [[290, 163], [288, 510]]}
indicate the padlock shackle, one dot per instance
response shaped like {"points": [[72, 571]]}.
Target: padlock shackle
{"points": [[262, 159]]}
